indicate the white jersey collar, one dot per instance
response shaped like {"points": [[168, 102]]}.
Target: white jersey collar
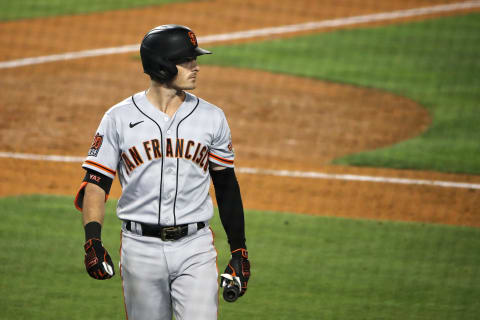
{"points": [[187, 106]]}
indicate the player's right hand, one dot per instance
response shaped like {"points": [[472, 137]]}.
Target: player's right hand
{"points": [[98, 263]]}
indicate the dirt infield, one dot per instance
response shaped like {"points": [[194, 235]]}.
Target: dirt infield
{"points": [[277, 121]]}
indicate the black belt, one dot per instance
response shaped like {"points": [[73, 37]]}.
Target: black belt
{"points": [[164, 233]]}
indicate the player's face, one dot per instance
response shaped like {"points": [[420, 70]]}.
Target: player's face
{"points": [[186, 79]]}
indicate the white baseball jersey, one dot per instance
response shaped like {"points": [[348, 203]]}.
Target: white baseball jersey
{"points": [[162, 162]]}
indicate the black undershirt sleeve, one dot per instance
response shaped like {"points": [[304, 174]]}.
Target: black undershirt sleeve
{"points": [[230, 207]]}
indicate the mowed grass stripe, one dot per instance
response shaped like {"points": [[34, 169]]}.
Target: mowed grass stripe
{"points": [[269, 31], [434, 62], [303, 267], [25, 9]]}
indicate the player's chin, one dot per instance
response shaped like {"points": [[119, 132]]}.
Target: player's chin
{"points": [[192, 84], [184, 86]]}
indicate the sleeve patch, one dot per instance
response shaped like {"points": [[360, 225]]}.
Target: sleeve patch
{"points": [[96, 144]]}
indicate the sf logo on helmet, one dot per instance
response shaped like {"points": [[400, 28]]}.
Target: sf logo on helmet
{"points": [[192, 37]]}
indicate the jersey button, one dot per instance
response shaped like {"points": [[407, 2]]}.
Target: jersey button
{"points": [[169, 131], [166, 119]]}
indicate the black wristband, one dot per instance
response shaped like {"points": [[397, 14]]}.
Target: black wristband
{"points": [[93, 230]]}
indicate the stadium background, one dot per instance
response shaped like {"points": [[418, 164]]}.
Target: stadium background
{"points": [[356, 136]]}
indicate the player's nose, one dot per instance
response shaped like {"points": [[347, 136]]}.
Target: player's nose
{"points": [[195, 66]]}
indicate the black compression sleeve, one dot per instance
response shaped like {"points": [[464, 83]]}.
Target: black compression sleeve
{"points": [[230, 206], [99, 179]]}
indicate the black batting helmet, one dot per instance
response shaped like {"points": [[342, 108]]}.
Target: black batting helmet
{"points": [[165, 46]]}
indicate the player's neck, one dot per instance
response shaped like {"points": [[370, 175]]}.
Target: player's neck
{"points": [[165, 99]]}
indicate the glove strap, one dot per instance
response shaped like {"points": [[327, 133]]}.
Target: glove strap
{"points": [[243, 252]]}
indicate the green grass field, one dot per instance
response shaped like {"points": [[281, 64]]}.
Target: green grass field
{"points": [[25, 9], [434, 62], [303, 267]]}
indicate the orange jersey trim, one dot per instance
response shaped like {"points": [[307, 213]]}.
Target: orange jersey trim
{"points": [[98, 165], [223, 160], [82, 186]]}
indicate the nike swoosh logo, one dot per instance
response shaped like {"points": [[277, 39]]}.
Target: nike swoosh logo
{"points": [[134, 124]]}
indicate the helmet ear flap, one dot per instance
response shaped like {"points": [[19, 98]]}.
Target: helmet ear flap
{"points": [[164, 70], [157, 67]]}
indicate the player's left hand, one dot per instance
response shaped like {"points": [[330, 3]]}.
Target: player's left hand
{"points": [[98, 263], [239, 268]]}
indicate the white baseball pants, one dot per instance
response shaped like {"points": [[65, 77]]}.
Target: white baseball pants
{"points": [[161, 277]]}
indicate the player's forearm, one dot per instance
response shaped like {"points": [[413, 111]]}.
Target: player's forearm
{"points": [[230, 206], [93, 205]]}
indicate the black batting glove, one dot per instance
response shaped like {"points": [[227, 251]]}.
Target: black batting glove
{"points": [[98, 263], [239, 268]]}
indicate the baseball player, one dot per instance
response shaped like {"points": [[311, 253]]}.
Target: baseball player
{"points": [[165, 144]]}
